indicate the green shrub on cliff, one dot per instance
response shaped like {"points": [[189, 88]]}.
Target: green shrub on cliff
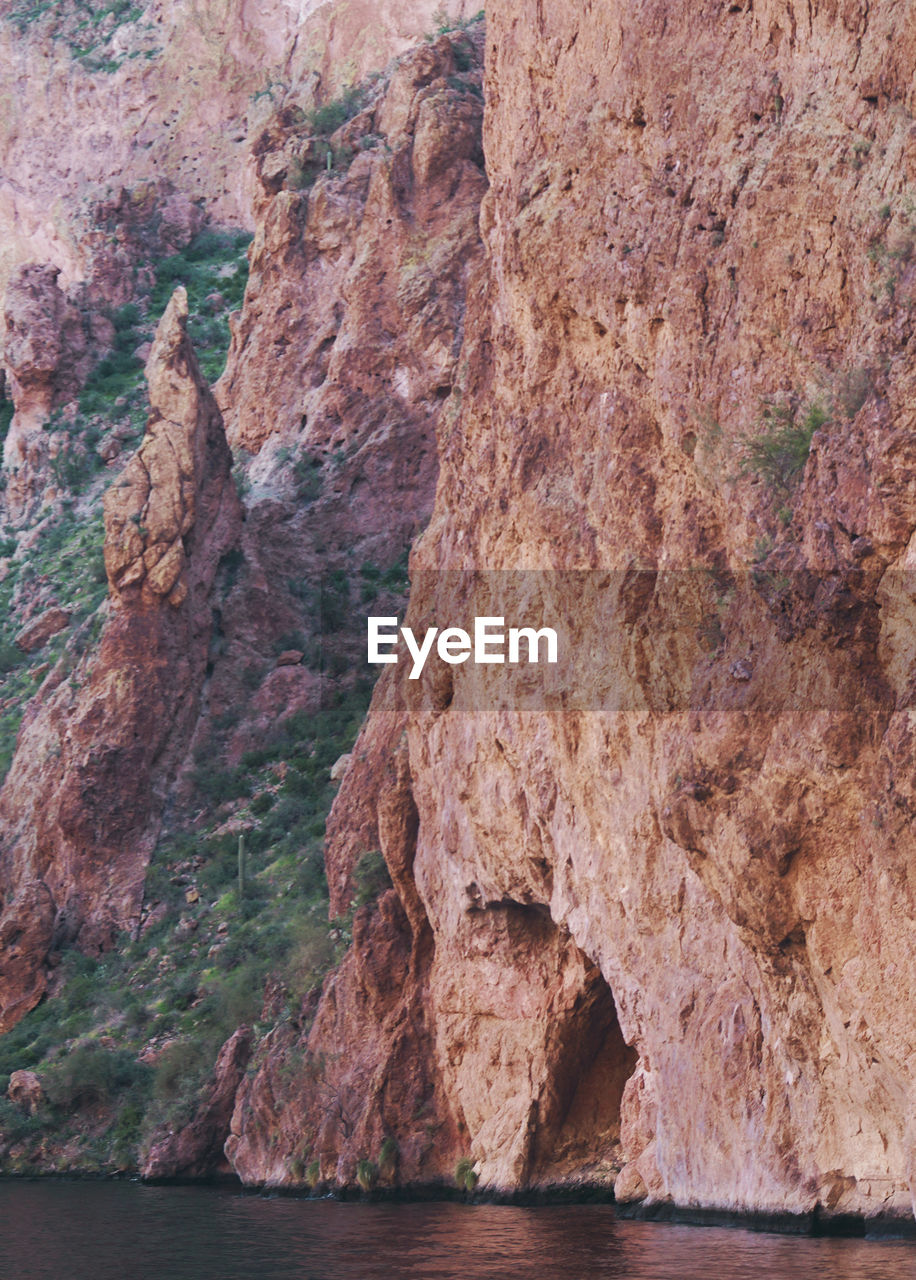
{"points": [[370, 878], [366, 1174], [778, 451], [465, 1175]]}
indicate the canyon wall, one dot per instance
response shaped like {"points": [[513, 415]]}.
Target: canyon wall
{"points": [[191, 659], [652, 932], [81, 807], [98, 98], [673, 938]]}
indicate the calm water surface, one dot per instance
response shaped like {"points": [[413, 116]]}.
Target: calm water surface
{"points": [[105, 1231]]}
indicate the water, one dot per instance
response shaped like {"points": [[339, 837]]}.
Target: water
{"points": [[123, 1231]]}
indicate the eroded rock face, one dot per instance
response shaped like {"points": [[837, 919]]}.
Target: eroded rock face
{"points": [[349, 339], [726, 891], [343, 358], [81, 804], [45, 353], [170, 92], [196, 1150]]}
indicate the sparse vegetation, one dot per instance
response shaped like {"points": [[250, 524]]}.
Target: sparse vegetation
{"points": [[465, 1175], [199, 969], [88, 29], [366, 1174], [324, 120], [443, 24], [370, 878], [777, 452]]}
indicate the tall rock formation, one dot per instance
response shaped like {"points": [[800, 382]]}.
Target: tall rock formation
{"points": [[675, 938], [82, 803], [343, 357]]}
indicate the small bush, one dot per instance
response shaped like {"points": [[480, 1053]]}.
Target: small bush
{"points": [[465, 1175], [388, 1156], [366, 1174], [90, 1074], [853, 388], [325, 120], [777, 453]]}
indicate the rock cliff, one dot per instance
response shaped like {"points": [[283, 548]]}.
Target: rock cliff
{"points": [[692, 351], [157, 91], [655, 935], [99, 745]]}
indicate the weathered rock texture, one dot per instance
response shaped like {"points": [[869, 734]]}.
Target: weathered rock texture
{"points": [[196, 1149], [693, 931], [345, 355], [342, 360], [168, 92], [82, 802]]}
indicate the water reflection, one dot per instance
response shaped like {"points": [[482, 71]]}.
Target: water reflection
{"points": [[103, 1231]]}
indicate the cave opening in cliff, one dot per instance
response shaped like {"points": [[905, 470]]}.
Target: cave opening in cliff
{"points": [[579, 1115]]}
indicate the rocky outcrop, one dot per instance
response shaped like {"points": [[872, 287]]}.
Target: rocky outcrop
{"points": [[46, 354], [341, 363], [38, 631], [26, 928], [25, 1090], [686, 356], [196, 1149], [164, 92], [44, 344], [82, 802]]}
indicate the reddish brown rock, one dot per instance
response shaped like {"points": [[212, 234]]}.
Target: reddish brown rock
{"points": [[172, 97], [717, 903], [359, 279], [26, 930], [44, 340], [196, 1150], [45, 351], [40, 630], [341, 365], [81, 804]]}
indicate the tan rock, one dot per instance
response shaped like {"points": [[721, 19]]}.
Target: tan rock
{"points": [[340, 766], [25, 1090]]}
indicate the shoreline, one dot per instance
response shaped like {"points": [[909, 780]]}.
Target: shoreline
{"points": [[813, 1224]]}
